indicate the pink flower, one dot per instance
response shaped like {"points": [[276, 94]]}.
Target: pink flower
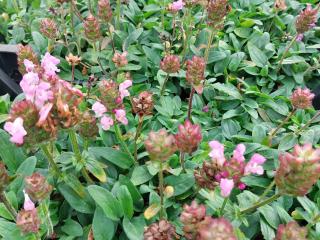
{"points": [[217, 152], [29, 84], [99, 109], [226, 186], [44, 112], [299, 37], [29, 65], [49, 64], [16, 130], [43, 94], [241, 186], [106, 123], [239, 152], [176, 6], [121, 116], [123, 88], [254, 166], [28, 205]]}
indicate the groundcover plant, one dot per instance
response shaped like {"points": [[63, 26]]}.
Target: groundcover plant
{"points": [[159, 120]]}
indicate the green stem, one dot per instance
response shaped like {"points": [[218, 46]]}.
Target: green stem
{"points": [[120, 139], [72, 20], [45, 209], [182, 162], [138, 133], [161, 190], [98, 58], [164, 85], [187, 34], [85, 144], [281, 125], [315, 220], [8, 205], [210, 40], [309, 122], [286, 52], [51, 161], [90, 6], [190, 103], [266, 191], [111, 38], [77, 153], [118, 13], [223, 206], [260, 204]]}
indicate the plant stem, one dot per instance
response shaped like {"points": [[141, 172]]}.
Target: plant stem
{"points": [[161, 189], [309, 122], [98, 58], [77, 153], [72, 20], [90, 6], [206, 54], [164, 85], [182, 161], [45, 209], [266, 191], [315, 220], [138, 133], [190, 103], [111, 38], [173, 30], [120, 139], [223, 206], [8, 205], [281, 125], [72, 73], [50, 159], [286, 52], [260, 204], [187, 34], [118, 10], [85, 144]]}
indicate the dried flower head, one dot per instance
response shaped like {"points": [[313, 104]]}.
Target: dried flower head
{"points": [[217, 11], [217, 228], [120, 59], [195, 73], [26, 52], [28, 221], [48, 27], [160, 145], [143, 104], [87, 126], [73, 60], [110, 95], [170, 64], [306, 20], [291, 231], [302, 98], [162, 230], [298, 170], [280, 5], [37, 187], [92, 28], [188, 137], [105, 11], [4, 177]]}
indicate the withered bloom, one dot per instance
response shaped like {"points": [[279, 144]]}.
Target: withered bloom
{"points": [[188, 137], [291, 231], [143, 104], [37, 187], [28, 221], [162, 230], [26, 52], [92, 28], [49, 28]]}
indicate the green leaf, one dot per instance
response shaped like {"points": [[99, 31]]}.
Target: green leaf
{"points": [[293, 60], [287, 142], [134, 229], [230, 128], [256, 55], [215, 56], [181, 183], [140, 175], [228, 89], [94, 167], [109, 204], [134, 192], [103, 227], [72, 228], [266, 229], [112, 155], [270, 215], [125, 199], [39, 41]]}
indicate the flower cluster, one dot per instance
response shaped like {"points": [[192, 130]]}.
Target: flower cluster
{"points": [[162, 230], [92, 28], [143, 104], [197, 225], [217, 11], [195, 73], [188, 137], [302, 98], [120, 59], [228, 173], [111, 101], [291, 231], [305, 21], [37, 187], [26, 52], [50, 103], [176, 6], [48, 27], [298, 170], [4, 177], [170, 64], [105, 10]]}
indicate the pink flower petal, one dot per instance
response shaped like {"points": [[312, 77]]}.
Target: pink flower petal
{"points": [[16, 130], [106, 123], [99, 109], [239, 152], [121, 116], [226, 186], [28, 205], [217, 152]]}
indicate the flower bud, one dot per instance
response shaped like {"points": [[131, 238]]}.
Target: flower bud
{"points": [[37, 187], [195, 73], [49, 28], [4, 177], [306, 20], [26, 52], [28, 221], [92, 28], [88, 125], [168, 191], [188, 137], [218, 228], [217, 11], [105, 11], [302, 98], [162, 230], [160, 145], [206, 176], [298, 170], [110, 95], [170, 64], [291, 231], [73, 60], [143, 104]]}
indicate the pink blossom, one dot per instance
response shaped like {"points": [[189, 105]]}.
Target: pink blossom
{"points": [[16, 130], [49, 64], [176, 6], [299, 37], [241, 186], [217, 152], [123, 88], [28, 65], [254, 166], [28, 205], [99, 109], [239, 152], [29, 84], [121, 116], [44, 112], [198, 88], [106, 123], [226, 186], [43, 94]]}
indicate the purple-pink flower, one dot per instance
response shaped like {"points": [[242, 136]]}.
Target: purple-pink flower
{"points": [[254, 166], [176, 6], [28, 65], [29, 84], [123, 88], [43, 94], [49, 64], [226, 186], [121, 116], [99, 109], [217, 152], [239, 152], [44, 112], [106, 123], [16, 130], [28, 205]]}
